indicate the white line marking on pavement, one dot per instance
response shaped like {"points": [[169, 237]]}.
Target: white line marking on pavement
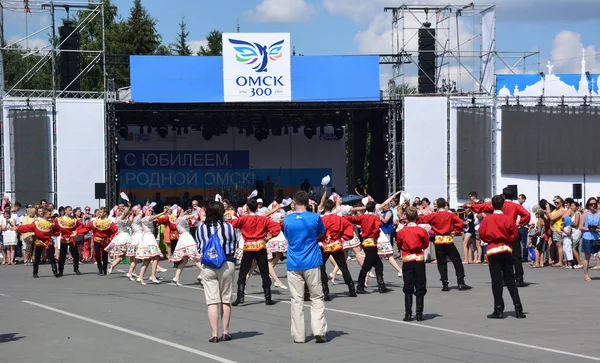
{"points": [[1, 294], [137, 334], [457, 332]]}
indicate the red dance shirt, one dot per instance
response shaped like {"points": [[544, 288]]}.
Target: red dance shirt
{"points": [[499, 231], [43, 229], [512, 210], [170, 223], [411, 241], [443, 224], [336, 229], [102, 230], [370, 225], [254, 230], [67, 226]]}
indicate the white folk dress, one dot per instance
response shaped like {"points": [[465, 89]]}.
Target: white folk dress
{"points": [[148, 247], [136, 237], [186, 245], [118, 246]]}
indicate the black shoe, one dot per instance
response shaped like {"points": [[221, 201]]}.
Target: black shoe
{"points": [[240, 296], [521, 283], [382, 289], [360, 289], [77, 272], [519, 312], [320, 339], [352, 290], [60, 273], [407, 317], [35, 276], [268, 300], [420, 306], [326, 297], [445, 286], [214, 340], [226, 338], [498, 313], [462, 286], [99, 273], [420, 317]]}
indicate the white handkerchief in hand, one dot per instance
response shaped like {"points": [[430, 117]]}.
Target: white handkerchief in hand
{"points": [[286, 202], [174, 207], [365, 200], [404, 196], [218, 198], [124, 196], [153, 204], [253, 194], [325, 181]]}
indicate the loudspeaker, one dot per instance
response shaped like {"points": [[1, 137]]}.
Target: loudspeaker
{"points": [[515, 190], [100, 190], [577, 191], [427, 60]]}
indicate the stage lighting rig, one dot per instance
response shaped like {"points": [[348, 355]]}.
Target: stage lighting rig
{"points": [[207, 133], [149, 129], [185, 130], [162, 131], [338, 132], [123, 131], [295, 129], [141, 130]]}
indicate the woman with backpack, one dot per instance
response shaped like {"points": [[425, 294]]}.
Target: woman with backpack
{"points": [[217, 241]]}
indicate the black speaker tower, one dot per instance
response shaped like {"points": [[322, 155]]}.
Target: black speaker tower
{"points": [[427, 61], [69, 59], [577, 191]]}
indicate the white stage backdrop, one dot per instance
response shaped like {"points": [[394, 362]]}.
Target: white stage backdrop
{"points": [[80, 150], [425, 146], [453, 187]]}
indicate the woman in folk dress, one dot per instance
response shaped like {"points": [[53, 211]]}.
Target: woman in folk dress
{"points": [[186, 248], [277, 245], [117, 248], [148, 249], [136, 238]]}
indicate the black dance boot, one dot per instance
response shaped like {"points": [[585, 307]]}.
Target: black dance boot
{"points": [[408, 302], [100, 272], [268, 300], [381, 284], [420, 303], [326, 296], [519, 311], [76, 270], [521, 283], [61, 269], [498, 312], [35, 271], [240, 296], [445, 286], [352, 290], [462, 286], [360, 289], [54, 269]]}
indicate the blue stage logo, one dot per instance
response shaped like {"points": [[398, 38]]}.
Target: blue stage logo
{"points": [[257, 54]]}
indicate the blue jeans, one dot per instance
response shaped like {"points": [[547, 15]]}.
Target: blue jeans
{"points": [[523, 231]]}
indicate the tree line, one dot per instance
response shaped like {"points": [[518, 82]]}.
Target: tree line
{"points": [[135, 35]]}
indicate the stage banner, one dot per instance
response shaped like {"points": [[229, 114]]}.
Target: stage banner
{"points": [[257, 67]]}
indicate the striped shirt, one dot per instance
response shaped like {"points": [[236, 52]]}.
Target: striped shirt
{"points": [[226, 236]]}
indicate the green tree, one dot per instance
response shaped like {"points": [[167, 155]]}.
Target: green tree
{"points": [[17, 66], [404, 89], [215, 44], [140, 31], [163, 50], [181, 47]]}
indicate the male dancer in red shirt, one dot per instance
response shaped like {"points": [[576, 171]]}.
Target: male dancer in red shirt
{"points": [[519, 215], [370, 228], [500, 231], [69, 226], [43, 228], [337, 228], [254, 230], [446, 225], [411, 241]]}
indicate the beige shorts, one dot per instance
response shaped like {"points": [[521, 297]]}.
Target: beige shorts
{"points": [[218, 283]]}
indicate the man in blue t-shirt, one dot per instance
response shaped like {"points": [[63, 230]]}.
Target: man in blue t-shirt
{"points": [[302, 230]]}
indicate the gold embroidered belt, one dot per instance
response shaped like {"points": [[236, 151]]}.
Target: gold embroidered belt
{"points": [[444, 240]]}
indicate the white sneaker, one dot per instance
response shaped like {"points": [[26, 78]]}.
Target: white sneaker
{"points": [[154, 281], [160, 269]]}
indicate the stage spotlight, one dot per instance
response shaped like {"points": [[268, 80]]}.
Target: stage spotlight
{"points": [[185, 130], [149, 129], [276, 131], [295, 129], [179, 131], [338, 132], [207, 133], [309, 132], [322, 130], [286, 130], [123, 131], [162, 131], [261, 133], [249, 130], [241, 130], [141, 130]]}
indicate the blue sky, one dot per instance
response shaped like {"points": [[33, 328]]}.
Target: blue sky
{"points": [[331, 27]]}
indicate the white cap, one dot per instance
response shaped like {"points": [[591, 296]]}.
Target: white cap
{"points": [[259, 200]]}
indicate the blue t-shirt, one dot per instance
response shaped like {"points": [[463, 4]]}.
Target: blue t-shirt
{"points": [[388, 227], [301, 231]]}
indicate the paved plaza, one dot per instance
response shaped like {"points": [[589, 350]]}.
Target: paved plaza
{"points": [[98, 319]]}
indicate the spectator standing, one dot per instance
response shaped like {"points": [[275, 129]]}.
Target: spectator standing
{"points": [[303, 230]]}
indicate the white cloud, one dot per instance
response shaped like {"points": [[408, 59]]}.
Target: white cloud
{"points": [[281, 11], [566, 54], [31, 43], [196, 44]]}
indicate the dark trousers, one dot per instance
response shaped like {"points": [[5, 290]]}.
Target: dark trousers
{"points": [[62, 257], [517, 259], [415, 280], [523, 232], [340, 259], [501, 268], [101, 257], [38, 256], [448, 250], [371, 260], [263, 266]]}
